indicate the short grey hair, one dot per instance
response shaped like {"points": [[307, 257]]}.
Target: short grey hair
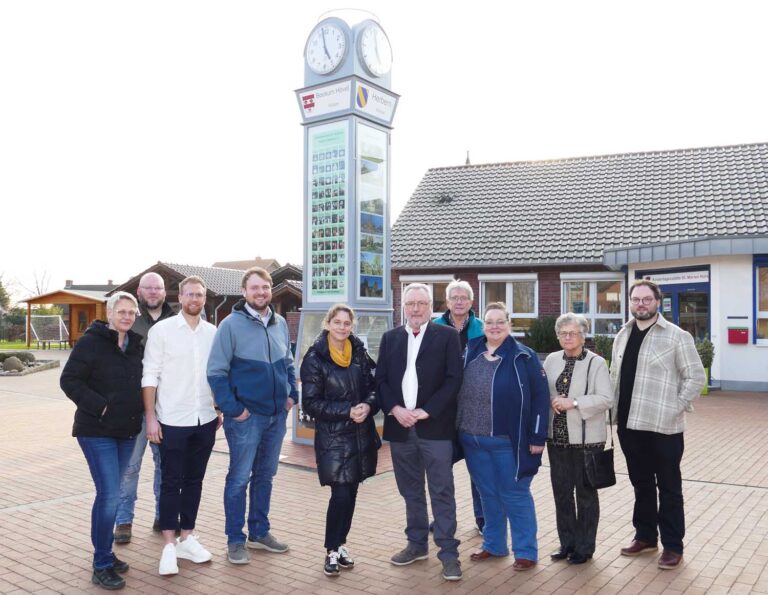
{"points": [[459, 284], [121, 295], [414, 286], [571, 318]]}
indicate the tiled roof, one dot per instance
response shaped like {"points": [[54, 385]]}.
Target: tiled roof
{"points": [[220, 281], [570, 210], [270, 264]]}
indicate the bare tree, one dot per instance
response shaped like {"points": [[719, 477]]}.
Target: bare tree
{"points": [[42, 281]]}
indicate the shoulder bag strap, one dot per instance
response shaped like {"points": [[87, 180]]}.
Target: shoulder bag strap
{"points": [[586, 391]]}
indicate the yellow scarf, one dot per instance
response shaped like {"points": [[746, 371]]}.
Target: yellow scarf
{"points": [[341, 358]]}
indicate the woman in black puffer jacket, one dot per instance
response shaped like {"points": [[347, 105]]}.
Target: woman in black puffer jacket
{"points": [[103, 378], [338, 391]]}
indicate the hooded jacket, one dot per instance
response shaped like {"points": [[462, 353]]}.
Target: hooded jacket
{"points": [[99, 374], [251, 365], [519, 399], [345, 451]]}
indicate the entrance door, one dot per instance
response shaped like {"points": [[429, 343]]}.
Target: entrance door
{"points": [[688, 307]]}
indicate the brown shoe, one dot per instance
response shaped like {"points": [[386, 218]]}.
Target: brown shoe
{"points": [[523, 564], [123, 534], [670, 560], [481, 555], [638, 547]]}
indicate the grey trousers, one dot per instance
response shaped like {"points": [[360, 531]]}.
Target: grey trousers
{"points": [[576, 520], [412, 460]]}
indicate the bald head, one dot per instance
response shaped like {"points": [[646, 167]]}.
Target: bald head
{"points": [[151, 291]]}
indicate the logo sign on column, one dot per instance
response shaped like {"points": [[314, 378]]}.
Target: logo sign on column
{"points": [[322, 101], [374, 102]]}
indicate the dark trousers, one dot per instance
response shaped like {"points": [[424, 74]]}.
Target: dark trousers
{"points": [[341, 509], [576, 519], [653, 460], [412, 460], [184, 454]]}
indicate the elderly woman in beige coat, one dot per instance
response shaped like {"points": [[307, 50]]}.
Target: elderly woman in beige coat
{"points": [[580, 393]]}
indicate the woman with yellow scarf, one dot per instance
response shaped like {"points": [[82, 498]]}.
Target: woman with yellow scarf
{"points": [[338, 392]]}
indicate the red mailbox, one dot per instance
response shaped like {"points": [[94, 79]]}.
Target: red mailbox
{"points": [[738, 335]]}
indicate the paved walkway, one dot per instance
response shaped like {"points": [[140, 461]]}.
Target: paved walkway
{"points": [[46, 495]]}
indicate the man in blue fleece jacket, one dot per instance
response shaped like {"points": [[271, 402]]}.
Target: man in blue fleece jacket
{"points": [[251, 372]]}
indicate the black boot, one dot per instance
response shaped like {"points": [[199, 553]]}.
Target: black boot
{"points": [[107, 578]]}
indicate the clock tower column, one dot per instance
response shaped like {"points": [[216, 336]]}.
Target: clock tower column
{"points": [[347, 109]]}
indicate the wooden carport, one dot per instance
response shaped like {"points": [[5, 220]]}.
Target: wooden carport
{"points": [[84, 308]]}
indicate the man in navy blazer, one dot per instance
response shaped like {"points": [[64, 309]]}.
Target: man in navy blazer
{"points": [[418, 375]]}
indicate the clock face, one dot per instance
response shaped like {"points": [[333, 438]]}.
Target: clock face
{"points": [[326, 48], [374, 49]]}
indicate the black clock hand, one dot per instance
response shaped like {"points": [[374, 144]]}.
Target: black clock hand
{"points": [[325, 46]]}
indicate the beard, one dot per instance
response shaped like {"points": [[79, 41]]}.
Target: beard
{"points": [[647, 315], [151, 305], [192, 309]]}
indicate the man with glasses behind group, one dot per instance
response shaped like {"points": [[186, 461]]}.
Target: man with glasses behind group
{"points": [[460, 316], [152, 309], [656, 374]]}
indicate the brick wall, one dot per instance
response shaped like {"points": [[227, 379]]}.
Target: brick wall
{"points": [[549, 284], [292, 318]]}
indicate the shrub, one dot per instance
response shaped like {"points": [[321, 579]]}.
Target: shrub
{"points": [[604, 345], [541, 337], [706, 351], [24, 356]]}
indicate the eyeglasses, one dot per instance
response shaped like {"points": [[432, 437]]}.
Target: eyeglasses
{"points": [[152, 288], [416, 304], [492, 323], [459, 298], [646, 301], [126, 313], [190, 295], [568, 334]]}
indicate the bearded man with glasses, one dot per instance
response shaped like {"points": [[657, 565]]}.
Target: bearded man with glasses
{"points": [[656, 374]]}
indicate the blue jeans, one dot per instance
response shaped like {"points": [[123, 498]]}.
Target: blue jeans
{"points": [[107, 459], [254, 452], [492, 463], [129, 485]]}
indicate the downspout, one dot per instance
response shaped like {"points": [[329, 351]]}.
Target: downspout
{"points": [[216, 310]]}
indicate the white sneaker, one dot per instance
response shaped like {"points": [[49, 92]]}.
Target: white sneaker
{"points": [[168, 564], [190, 549]]}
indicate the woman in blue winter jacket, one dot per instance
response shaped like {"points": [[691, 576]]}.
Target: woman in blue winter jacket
{"points": [[503, 409]]}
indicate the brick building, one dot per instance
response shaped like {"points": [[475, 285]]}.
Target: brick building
{"points": [[548, 237]]}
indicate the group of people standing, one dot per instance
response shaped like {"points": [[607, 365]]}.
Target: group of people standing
{"points": [[452, 387]]}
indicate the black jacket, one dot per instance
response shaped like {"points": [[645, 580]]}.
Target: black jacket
{"points": [[145, 321], [99, 374], [345, 451], [440, 369]]}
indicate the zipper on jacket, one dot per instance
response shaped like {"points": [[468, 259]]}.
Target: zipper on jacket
{"points": [[269, 357], [520, 423]]}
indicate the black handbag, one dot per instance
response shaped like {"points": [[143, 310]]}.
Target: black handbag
{"points": [[598, 464]]}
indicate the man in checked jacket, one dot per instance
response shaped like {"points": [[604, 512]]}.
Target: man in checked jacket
{"points": [[656, 373]]}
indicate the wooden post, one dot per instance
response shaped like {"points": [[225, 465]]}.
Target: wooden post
{"points": [[29, 323]]}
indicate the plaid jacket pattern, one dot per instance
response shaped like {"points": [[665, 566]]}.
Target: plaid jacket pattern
{"points": [[669, 377]]}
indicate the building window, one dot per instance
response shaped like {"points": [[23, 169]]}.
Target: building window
{"points": [[599, 297], [519, 292], [761, 300], [437, 283]]}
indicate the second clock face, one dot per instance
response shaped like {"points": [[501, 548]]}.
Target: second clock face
{"points": [[326, 48], [375, 51]]}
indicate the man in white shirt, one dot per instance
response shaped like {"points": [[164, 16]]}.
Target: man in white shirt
{"points": [[181, 417], [418, 374]]}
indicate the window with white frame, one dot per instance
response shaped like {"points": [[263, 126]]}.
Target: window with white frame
{"points": [[761, 300], [437, 283], [520, 292], [597, 296]]}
